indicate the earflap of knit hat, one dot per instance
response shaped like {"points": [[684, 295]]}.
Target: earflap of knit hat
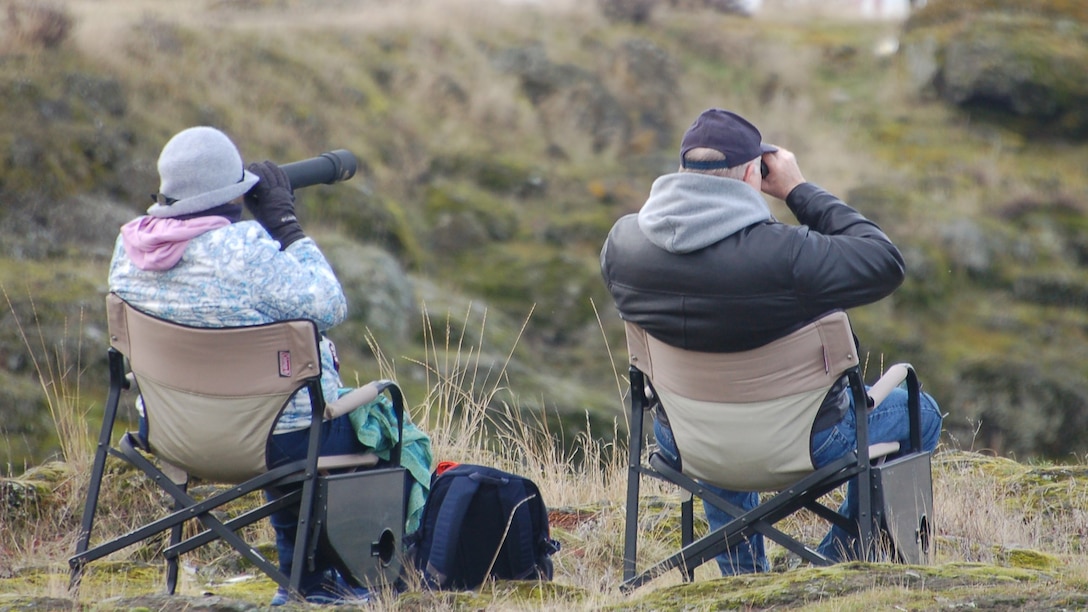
{"points": [[199, 168]]}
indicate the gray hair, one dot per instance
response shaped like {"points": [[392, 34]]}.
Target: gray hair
{"points": [[705, 154]]}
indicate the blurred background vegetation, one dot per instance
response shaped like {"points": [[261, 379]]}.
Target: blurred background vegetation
{"points": [[498, 142]]}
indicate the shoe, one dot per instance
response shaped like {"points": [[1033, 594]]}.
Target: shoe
{"points": [[280, 598], [337, 591]]}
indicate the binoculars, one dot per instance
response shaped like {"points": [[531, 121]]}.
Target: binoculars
{"points": [[325, 169]]}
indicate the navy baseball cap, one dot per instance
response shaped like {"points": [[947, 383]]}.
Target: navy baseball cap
{"points": [[727, 133]]}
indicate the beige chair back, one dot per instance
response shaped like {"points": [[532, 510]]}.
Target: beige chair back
{"points": [[213, 395], [742, 420]]}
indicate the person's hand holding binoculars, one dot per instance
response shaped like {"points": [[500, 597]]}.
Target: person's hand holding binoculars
{"points": [[782, 173]]}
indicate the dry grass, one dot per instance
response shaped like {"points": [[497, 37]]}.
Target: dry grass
{"points": [[38, 508], [34, 24], [60, 382], [471, 416], [101, 26], [448, 90], [988, 508]]}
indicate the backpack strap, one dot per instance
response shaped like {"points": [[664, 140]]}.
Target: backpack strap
{"points": [[450, 515], [517, 505]]}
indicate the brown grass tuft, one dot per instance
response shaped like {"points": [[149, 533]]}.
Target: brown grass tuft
{"points": [[32, 24]]}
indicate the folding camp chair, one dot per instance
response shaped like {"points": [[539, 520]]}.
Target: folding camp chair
{"points": [[742, 422], [211, 398]]}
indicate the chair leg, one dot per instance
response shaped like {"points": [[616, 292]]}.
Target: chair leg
{"points": [[94, 487], [76, 565], [201, 511], [687, 530], [761, 519], [634, 472], [865, 527], [305, 540], [866, 530], [172, 561]]}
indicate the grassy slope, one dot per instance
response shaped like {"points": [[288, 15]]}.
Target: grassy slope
{"points": [[444, 131], [377, 79]]}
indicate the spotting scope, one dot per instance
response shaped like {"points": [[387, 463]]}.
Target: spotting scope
{"points": [[325, 169]]}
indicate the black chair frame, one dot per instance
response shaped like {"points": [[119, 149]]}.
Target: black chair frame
{"points": [[805, 493], [287, 476]]}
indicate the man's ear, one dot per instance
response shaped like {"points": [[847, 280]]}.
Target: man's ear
{"points": [[749, 169]]}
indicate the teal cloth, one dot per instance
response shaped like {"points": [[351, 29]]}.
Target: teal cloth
{"points": [[376, 427]]}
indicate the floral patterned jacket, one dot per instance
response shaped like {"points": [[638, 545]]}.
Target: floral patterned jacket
{"points": [[234, 275]]}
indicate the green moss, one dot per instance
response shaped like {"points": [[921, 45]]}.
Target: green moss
{"points": [[1050, 490], [953, 10], [33, 496], [1029, 559], [553, 280], [586, 225], [446, 202], [802, 587], [493, 173], [365, 216]]}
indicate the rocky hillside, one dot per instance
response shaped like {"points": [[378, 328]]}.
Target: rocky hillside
{"points": [[497, 144]]}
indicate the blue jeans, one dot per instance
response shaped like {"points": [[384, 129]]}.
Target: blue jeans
{"points": [[337, 438], [888, 422]]}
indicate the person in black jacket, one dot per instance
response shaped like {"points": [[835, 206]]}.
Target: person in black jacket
{"points": [[704, 266]]}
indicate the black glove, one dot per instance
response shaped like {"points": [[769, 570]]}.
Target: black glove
{"points": [[272, 203]]}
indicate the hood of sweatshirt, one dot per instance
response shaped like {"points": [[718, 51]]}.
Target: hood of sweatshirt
{"points": [[157, 243], [687, 211]]}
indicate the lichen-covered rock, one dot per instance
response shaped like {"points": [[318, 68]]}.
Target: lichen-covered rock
{"points": [[30, 503], [378, 291], [1022, 407], [1008, 63]]}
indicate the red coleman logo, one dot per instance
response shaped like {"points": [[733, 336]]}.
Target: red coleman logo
{"points": [[285, 364]]}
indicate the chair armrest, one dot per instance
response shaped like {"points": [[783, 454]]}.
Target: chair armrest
{"points": [[365, 394], [882, 449], [337, 462], [891, 379], [350, 401]]}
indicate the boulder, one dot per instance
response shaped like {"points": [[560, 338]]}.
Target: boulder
{"points": [[1022, 408], [1015, 67], [379, 294]]}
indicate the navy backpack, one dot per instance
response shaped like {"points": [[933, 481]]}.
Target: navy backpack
{"points": [[482, 522]]}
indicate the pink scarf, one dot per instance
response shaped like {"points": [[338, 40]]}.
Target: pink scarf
{"points": [[157, 243]]}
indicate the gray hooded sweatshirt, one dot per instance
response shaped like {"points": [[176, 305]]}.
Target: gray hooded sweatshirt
{"points": [[687, 212]]}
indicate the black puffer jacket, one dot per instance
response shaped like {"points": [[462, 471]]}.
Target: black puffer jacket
{"points": [[742, 287]]}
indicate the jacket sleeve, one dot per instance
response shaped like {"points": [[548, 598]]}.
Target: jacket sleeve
{"points": [[843, 259], [298, 283]]}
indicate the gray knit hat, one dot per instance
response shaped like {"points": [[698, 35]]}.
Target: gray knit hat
{"points": [[199, 168]]}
